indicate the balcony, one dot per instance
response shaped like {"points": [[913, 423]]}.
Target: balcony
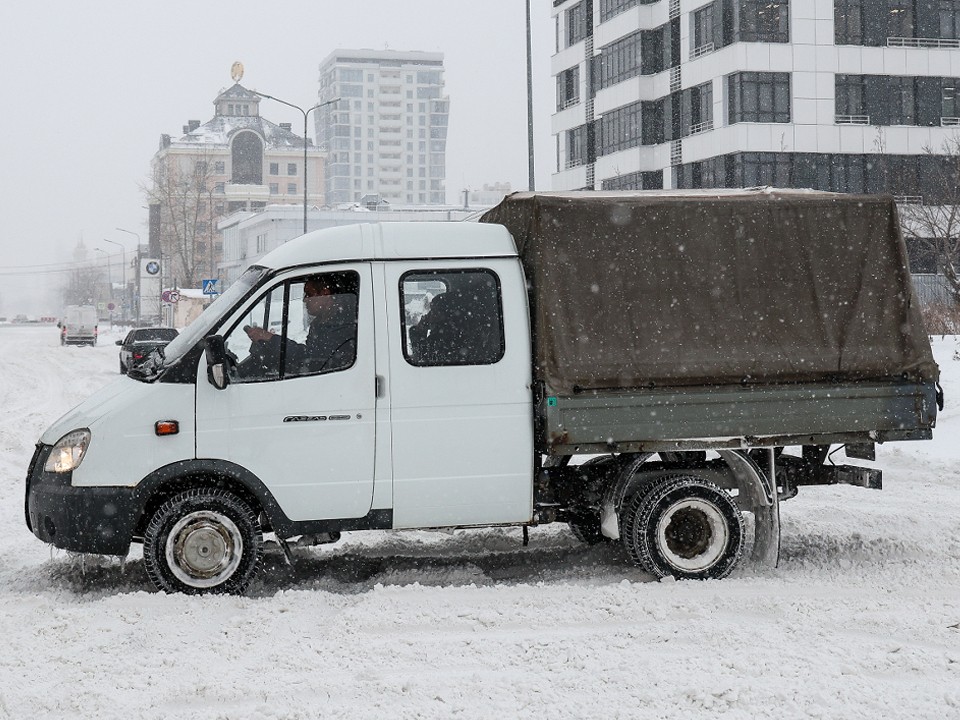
{"points": [[701, 127], [702, 50], [852, 119], [905, 42]]}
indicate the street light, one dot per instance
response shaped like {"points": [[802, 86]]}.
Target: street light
{"points": [[123, 252], [531, 181], [305, 113], [137, 236], [109, 271]]}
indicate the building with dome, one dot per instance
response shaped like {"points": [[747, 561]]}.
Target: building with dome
{"points": [[236, 161]]}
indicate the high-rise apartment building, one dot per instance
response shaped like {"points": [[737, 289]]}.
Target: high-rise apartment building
{"points": [[842, 95], [387, 135]]}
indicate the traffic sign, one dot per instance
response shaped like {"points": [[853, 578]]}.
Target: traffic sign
{"points": [[111, 307], [210, 286]]}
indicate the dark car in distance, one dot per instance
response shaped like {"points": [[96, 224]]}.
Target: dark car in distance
{"points": [[140, 342]]}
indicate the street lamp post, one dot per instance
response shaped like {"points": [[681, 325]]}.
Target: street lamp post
{"points": [[530, 167], [137, 236], [109, 270], [123, 252], [304, 113], [109, 279]]}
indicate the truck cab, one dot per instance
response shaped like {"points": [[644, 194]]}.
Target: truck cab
{"points": [[423, 420]]}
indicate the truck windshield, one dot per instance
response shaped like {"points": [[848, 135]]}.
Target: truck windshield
{"points": [[212, 315]]}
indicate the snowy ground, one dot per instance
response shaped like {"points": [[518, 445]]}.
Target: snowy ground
{"points": [[861, 619]]}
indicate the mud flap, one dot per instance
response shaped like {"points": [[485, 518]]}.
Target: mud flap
{"points": [[758, 495]]}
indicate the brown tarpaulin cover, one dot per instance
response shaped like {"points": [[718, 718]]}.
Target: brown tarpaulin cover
{"points": [[648, 289]]}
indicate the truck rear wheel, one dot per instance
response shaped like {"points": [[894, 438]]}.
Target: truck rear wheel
{"points": [[203, 541], [683, 526]]}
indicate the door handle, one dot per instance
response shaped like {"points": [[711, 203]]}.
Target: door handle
{"points": [[381, 386]]}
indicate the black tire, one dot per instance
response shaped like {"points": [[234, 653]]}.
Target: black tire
{"points": [[586, 529], [203, 541], [585, 524], [123, 368], [683, 526]]}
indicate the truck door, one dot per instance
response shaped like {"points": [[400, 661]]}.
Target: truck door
{"points": [[460, 395], [299, 411]]}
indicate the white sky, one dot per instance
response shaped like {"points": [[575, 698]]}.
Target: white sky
{"points": [[88, 88]]}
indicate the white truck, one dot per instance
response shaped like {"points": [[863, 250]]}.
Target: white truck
{"points": [[79, 325], [702, 352]]}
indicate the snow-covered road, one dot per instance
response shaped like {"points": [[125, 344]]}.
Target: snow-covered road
{"points": [[861, 619]]}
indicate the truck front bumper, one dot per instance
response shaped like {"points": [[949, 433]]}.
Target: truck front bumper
{"points": [[97, 520]]}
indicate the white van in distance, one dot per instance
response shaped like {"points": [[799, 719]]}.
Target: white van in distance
{"points": [[79, 325]]}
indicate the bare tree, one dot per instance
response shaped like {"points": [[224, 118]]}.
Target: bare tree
{"points": [[183, 186], [83, 286], [935, 224]]}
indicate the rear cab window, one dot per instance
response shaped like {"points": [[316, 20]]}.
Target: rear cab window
{"points": [[451, 317]]}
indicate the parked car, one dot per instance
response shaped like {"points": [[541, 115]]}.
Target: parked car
{"points": [[140, 342]]}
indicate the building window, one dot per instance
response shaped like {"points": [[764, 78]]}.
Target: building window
{"points": [[900, 18], [895, 100], [274, 188], [648, 180], [652, 57], [219, 167], [612, 8], [274, 168], [200, 168], [579, 25], [247, 159], [848, 22], [765, 21], [759, 97], [618, 61], [291, 188], [703, 27], [219, 188], [697, 109], [568, 87], [619, 129], [291, 168], [903, 100], [576, 146], [950, 103], [949, 19], [849, 96]]}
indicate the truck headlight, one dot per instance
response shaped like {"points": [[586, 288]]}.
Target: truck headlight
{"points": [[68, 452]]}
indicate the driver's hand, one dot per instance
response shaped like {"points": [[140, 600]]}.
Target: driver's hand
{"points": [[258, 334]]}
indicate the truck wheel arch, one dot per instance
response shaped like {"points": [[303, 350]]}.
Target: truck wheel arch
{"points": [[757, 494], [169, 480]]}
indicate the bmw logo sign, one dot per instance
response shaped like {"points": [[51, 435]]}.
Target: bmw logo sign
{"points": [[153, 267]]}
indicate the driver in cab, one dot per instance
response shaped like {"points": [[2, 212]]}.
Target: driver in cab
{"points": [[331, 301]]}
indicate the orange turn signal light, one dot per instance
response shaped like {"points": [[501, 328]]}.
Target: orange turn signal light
{"points": [[166, 427]]}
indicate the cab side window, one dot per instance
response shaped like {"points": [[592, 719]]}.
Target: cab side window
{"points": [[255, 360], [306, 326], [451, 317]]}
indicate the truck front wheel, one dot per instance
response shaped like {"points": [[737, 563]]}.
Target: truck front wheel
{"points": [[683, 526], [203, 541]]}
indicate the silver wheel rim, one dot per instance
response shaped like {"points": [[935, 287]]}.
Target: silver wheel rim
{"points": [[692, 535], [203, 549]]}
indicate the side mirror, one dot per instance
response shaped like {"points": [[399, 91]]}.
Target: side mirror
{"points": [[119, 342], [216, 356]]}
